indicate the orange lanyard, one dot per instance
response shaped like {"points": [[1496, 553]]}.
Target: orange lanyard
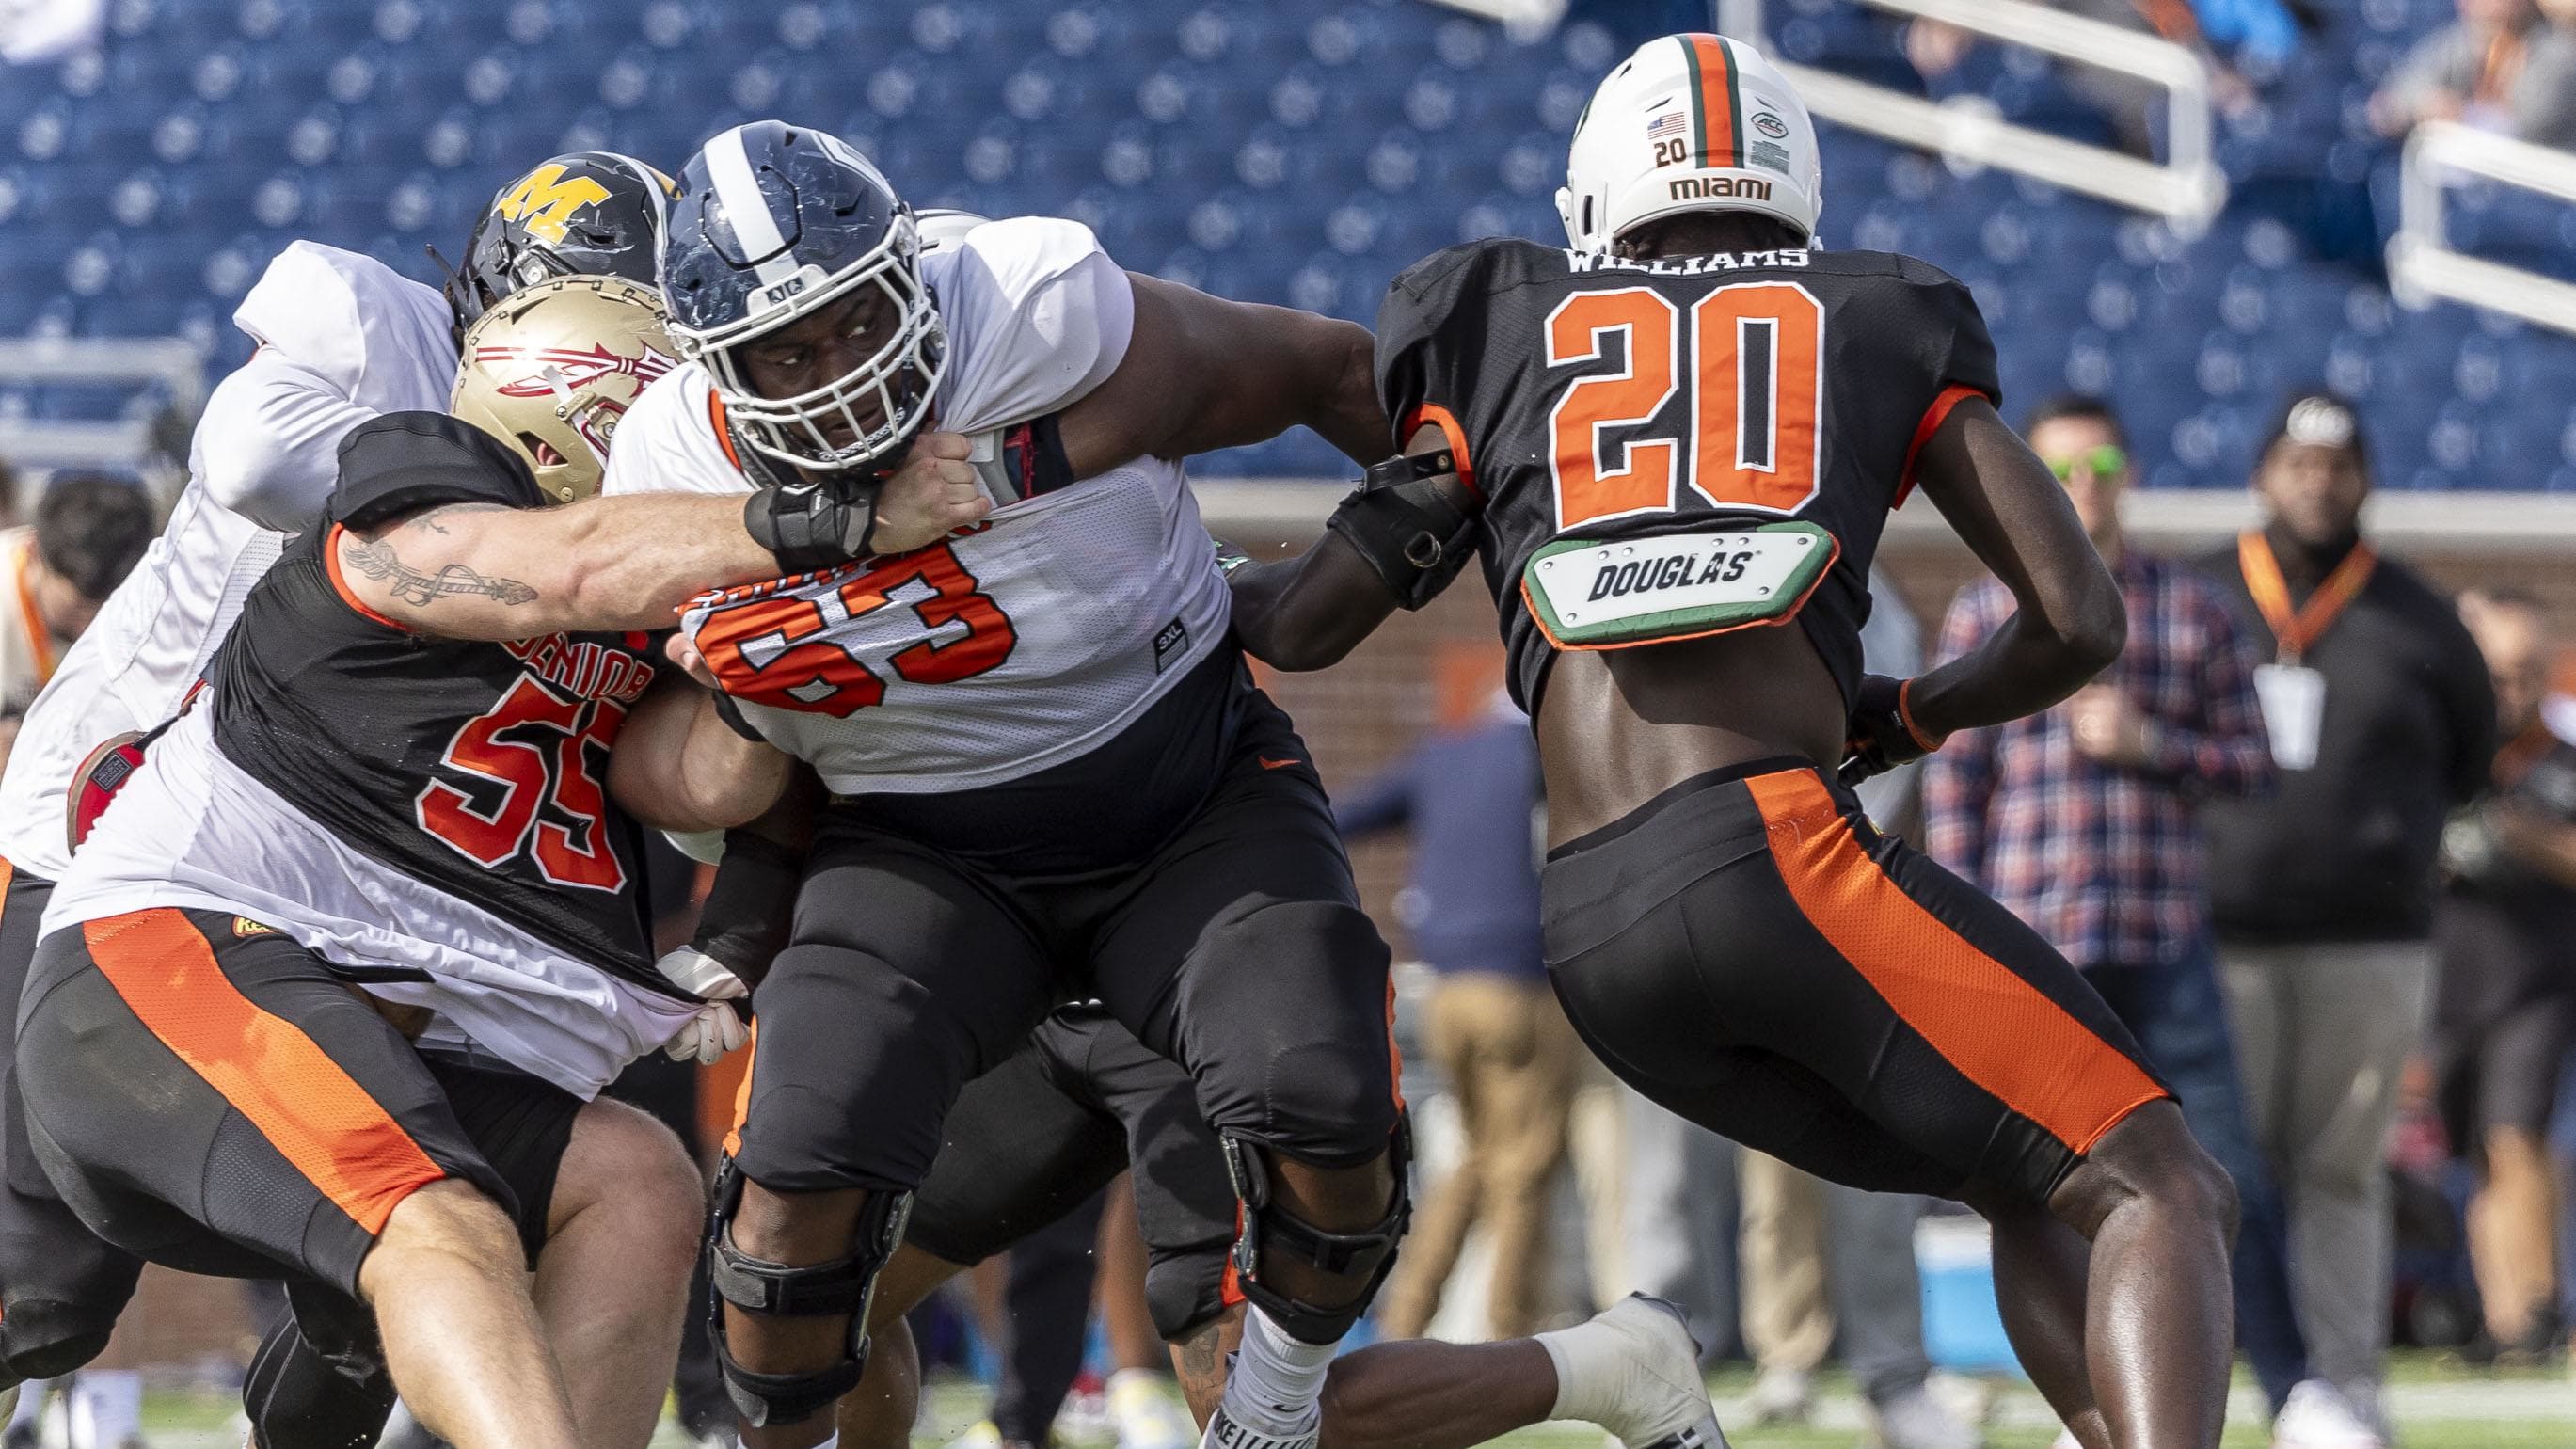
{"points": [[2297, 631], [39, 639]]}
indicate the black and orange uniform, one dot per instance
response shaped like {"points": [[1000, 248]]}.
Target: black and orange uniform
{"points": [[1745, 948], [354, 926]]}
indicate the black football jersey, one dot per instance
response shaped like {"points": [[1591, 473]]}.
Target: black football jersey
{"points": [[1595, 399], [476, 768]]}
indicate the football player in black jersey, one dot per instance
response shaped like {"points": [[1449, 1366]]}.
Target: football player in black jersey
{"points": [[1674, 444], [327, 987], [586, 212]]}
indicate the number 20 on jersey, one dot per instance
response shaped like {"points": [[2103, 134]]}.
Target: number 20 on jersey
{"points": [[1751, 355]]}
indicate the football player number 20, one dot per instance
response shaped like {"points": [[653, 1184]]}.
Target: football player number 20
{"points": [[1748, 356], [777, 649]]}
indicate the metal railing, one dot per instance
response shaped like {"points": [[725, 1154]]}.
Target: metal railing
{"points": [[49, 443], [2424, 268], [2187, 189]]}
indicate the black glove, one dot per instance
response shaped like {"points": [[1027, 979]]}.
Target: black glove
{"points": [[812, 526], [749, 908], [1882, 734]]}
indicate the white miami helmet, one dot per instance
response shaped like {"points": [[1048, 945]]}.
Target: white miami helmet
{"points": [[1690, 123]]}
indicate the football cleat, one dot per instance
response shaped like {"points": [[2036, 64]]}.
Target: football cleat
{"points": [[1663, 1400]]}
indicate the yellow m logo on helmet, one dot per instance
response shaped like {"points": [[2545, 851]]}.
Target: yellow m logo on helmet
{"points": [[544, 201]]}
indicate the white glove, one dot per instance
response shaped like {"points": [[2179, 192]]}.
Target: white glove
{"points": [[715, 1029]]}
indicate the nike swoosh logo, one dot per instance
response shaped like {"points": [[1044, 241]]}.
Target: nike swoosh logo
{"points": [[1268, 763]]}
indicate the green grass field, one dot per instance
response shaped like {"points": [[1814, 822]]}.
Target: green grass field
{"points": [[2441, 1406]]}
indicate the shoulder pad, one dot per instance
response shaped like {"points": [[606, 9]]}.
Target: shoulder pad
{"points": [[404, 462]]}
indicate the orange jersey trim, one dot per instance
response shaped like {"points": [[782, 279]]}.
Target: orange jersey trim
{"points": [[1454, 435], [724, 431], [308, 1108], [340, 585], [1933, 417], [1998, 1030]]}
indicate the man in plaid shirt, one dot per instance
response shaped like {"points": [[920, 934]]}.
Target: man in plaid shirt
{"points": [[2082, 821]]}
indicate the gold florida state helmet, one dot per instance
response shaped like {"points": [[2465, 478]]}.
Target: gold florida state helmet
{"points": [[551, 368]]}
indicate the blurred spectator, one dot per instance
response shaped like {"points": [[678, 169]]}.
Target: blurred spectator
{"points": [[2505, 1015], [2381, 720], [2083, 820], [88, 533], [1468, 795], [2502, 66]]}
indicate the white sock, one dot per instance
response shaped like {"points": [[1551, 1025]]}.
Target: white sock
{"points": [[1277, 1379], [1587, 1357], [31, 1402], [107, 1408]]}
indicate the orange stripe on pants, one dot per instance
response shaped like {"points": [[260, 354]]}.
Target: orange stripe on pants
{"points": [[1998, 1030], [310, 1110], [742, 1092]]}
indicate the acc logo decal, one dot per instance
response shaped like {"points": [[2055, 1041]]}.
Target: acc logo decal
{"points": [[1770, 125], [545, 201]]}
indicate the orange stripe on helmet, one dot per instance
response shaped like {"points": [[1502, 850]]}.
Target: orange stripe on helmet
{"points": [[1721, 111]]}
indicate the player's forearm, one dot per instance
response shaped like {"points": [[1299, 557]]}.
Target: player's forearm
{"points": [[604, 564], [630, 563], [1311, 611], [679, 767], [2031, 663]]}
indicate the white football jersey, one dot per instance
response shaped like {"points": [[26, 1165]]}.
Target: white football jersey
{"points": [[1013, 646], [342, 338], [193, 830]]}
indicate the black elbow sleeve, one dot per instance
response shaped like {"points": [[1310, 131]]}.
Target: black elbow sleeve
{"points": [[1407, 528]]}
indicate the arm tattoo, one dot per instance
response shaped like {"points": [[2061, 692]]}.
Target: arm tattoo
{"points": [[377, 561]]}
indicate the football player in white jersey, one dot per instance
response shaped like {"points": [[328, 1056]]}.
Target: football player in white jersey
{"points": [[341, 339], [1051, 774]]}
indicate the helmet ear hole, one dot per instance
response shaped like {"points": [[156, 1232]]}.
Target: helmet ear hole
{"points": [[1587, 215], [539, 449]]}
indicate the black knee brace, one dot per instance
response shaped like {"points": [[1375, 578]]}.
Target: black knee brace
{"points": [[818, 1290], [1270, 1229]]}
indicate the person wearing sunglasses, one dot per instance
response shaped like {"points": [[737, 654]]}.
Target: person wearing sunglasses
{"points": [[2083, 820]]}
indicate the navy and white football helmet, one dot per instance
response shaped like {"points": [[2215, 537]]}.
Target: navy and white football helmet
{"points": [[774, 223]]}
